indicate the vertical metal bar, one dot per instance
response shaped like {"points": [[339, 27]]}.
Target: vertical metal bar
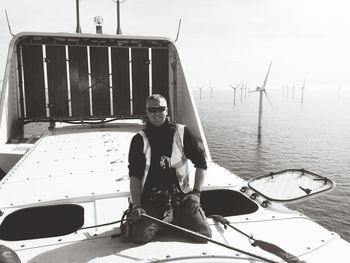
{"points": [[130, 76], [89, 77], [150, 71], [174, 66], [47, 101], [110, 79], [68, 83], [22, 100]]}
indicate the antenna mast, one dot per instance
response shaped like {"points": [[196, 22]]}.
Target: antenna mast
{"points": [[119, 30], [178, 30], [8, 23], [78, 29]]}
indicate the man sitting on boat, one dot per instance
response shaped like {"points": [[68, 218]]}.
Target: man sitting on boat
{"points": [[159, 175]]}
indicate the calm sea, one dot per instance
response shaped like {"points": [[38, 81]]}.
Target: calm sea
{"points": [[314, 135]]}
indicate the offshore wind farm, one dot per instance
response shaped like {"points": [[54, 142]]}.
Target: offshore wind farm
{"points": [[312, 134]]}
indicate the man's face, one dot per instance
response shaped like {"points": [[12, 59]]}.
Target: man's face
{"points": [[157, 111]]}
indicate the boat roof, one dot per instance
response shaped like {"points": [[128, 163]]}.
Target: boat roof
{"points": [[91, 35]]}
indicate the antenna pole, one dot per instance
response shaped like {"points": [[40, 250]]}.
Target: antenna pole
{"points": [[78, 29], [178, 30], [8, 23], [119, 30]]}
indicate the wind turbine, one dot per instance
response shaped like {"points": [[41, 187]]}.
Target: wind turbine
{"points": [[302, 92], [242, 90], [211, 91], [339, 88], [200, 92], [262, 91], [293, 90], [234, 92]]}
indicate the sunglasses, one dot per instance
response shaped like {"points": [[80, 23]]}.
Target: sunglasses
{"points": [[156, 109]]}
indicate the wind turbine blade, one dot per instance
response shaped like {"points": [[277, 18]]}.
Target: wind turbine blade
{"points": [[267, 97], [267, 75], [234, 87], [238, 85]]}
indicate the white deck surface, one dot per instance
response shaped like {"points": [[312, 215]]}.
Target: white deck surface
{"points": [[88, 166], [80, 162]]}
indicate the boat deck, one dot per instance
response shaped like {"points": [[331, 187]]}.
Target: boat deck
{"points": [[79, 162], [87, 165]]}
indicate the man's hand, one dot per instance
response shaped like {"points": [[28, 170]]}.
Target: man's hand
{"points": [[135, 214], [191, 203]]}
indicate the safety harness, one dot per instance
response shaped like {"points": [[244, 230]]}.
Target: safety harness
{"points": [[178, 159]]}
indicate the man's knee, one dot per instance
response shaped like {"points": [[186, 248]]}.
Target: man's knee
{"points": [[205, 229], [197, 223]]}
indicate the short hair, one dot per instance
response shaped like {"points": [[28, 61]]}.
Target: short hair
{"points": [[156, 97]]}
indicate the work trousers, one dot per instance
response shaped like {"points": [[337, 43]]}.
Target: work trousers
{"points": [[173, 212]]}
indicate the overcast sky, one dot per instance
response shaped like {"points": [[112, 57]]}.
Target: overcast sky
{"points": [[221, 42]]}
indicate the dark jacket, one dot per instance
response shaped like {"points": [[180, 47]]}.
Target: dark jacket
{"points": [[161, 141]]}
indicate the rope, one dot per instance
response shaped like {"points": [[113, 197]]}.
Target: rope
{"points": [[268, 247], [106, 224], [185, 230]]}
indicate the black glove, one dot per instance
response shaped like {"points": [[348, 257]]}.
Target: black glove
{"points": [[136, 212]]}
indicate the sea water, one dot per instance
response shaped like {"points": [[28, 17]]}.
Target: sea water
{"points": [[314, 135]]}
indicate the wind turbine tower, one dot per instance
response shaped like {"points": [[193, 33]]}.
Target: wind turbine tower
{"points": [[302, 92], [242, 91], [234, 92], [262, 91], [211, 91], [293, 91], [200, 92]]}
